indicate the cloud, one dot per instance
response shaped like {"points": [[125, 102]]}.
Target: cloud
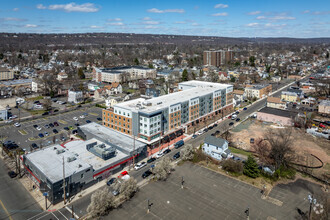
{"points": [[252, 24], [275, 18], [116, 24], [146, 19], [95, 27], [15, 9], [151, 22], [321, 12], [155, 10], [13, 19], [254, 12], [71, 7], [115, 19], [180, 22], [221, 6], [306, 11], [195, 24], [31, 26], [220, 14], [151, 27]]}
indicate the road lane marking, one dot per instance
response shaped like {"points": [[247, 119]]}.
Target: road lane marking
{"points": [[4, 208], [70, 211], [62, 214]]}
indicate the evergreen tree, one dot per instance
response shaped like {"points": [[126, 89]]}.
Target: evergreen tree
{"points": [[201, 73], [251, 168], [151, 66], [81, 73], [136, 61], [185, 75]]}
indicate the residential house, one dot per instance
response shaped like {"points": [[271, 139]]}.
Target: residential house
{"points": [[75, 96], [239, 95], [223, 76], [216, 148], [3, 113], [324, 107], [108, 90], [111, 101], [289, 96], [276, 78], [278, 116], [62, 76], [6, 74], [275, 102], [258, 91]]}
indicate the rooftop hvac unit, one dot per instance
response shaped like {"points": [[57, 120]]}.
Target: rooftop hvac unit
{"points": [[70, 159], [60, 151]]}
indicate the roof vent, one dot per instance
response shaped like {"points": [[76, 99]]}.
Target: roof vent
{"points": [[60, 151]]}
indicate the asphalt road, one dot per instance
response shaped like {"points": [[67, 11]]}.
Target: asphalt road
{"points": [[15, 202], [210, 195], [64, 120]]}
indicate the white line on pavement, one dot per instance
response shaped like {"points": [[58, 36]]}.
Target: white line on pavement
{"points": [[74, 214]]}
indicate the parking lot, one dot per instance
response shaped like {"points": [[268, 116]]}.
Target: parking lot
{"points": [[210, 195], [27, 134]]}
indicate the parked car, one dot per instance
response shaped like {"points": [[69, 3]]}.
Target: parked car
{"points": [[115, 192], [82, 116], [140, 165], [238, 119], [55, 131], [45, 113], [152, 159], [237, 112], [77, 124], [217, 132], [75, 131], [46, 126], [63, 138], [176, 156], [41, 135], [159, 155], [12, 174], [146, 174], [46, 133], [111, 181], [199, 132], [215, 125], [51, 125], [34, 146], [122, 174], [245, 108], [39, 128], [75, 118], [99, 119], [17, 124], [35, 126], [205, 130], [178, 144], [88, 121], [85, 113], [194, 136], [231, 123], [55, 123], [166, 151]]}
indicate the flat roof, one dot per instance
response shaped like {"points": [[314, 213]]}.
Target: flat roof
{"points": [[50, 163], [199, 88], [15, 82], [111, 136], [278, 112], [79, 149]]}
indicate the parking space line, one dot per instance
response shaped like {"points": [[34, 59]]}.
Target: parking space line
{"points": [[4, 208]]}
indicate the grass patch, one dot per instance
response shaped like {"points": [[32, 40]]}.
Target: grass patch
{"points": [[239, 151], [22, 132], [35, 98], [36, 112], [127, 90], [327, 166]]}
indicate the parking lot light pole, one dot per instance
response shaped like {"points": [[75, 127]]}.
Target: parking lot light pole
{"points": [[247, 212], [182, 182], [149, 206]]}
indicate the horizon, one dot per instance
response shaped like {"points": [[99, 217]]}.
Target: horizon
{"points": [[298, 19]]}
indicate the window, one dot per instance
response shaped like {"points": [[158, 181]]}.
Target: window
{"points": [[128, 120], [119, 117], [82, 175]]}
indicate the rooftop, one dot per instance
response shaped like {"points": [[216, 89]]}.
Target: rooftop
{"points": [[278, 112], [218, 142], [112, 137], [16, 82], [325, 102], [275, 100]]}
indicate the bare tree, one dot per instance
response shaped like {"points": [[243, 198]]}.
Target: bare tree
{"points": [[262, 148], [187, 153], [102, 201], [280, 141], [163, 168], [128, 188]]}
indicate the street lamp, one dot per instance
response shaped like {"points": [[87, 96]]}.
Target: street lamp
{"points": [[149, 206], [247, 212], [311, 201]]}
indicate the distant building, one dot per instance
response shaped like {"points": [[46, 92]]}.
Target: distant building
{"points": [[217, 57], [278, 116], [275, 102], [289, 96], [239, 95], [3, 113], [62, 76], [75, 96], [276, 78], [216, 148], [6, 74], [324, 107], [258, 91]]}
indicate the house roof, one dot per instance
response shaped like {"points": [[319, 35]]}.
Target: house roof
{"points": [[115, 85], [239, 92], [275, 100], [218, 142], [278, 112], [3, 69]]}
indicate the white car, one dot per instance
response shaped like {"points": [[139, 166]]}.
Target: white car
{"points": [[82, 116], [38, 128], [46, 134], [199, 132], [9, 121], [75, 118], [17, 124], [159, 155], [140, 165]]}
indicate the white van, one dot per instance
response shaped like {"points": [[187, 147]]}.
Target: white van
{"points": [[233, 117]]}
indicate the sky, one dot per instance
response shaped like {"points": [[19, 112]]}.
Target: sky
{"points": [[227, 18]]}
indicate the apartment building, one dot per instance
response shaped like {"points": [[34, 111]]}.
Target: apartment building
{"points": [[275, 102], [6, 74], [289, 96], [150, 119], [117, 74], [217, 57], [257, 91]]}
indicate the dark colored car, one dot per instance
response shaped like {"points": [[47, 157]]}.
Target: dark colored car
{"points": [[237, 112], [75, 131], [55, 131], [34, 146], [152, 159], [77, 124], [231, 123], [111, 181], [55, 123], [46, 126], [176, 156], [211, 127], [245, 108], [56, 110], [215, 125], [205, 130], [12, 174], [238, 119], [194, 136], [88, 121], [178, 144], [41, 135], [45, 113], [51, 125], [35, 126], [166, 151], [146, 174], [66, 128], [99, 119]]}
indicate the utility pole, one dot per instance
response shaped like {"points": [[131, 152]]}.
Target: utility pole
{"points": [[149, 206], [182, 182], [63, 182], [19, 165], [247, 212], [72, 213], [133, 150]]}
